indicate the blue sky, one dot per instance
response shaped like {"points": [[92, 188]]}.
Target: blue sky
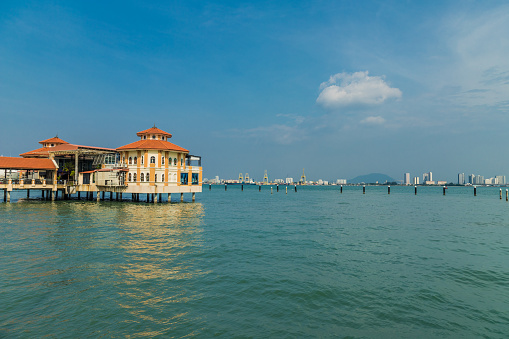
{"points": [[340, 88]]}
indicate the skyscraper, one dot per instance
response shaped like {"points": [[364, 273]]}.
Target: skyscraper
{"points": [[406, 179], [461, 178]]}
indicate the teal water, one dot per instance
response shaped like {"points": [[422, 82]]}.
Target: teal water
{"points": [[315, 263]]}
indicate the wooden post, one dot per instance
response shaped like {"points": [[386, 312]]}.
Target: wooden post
{"points": [[444, 189], [415, 190], [120, 196], [116, 196], [364, 189], [210, 187], [148, 197], [241, 188], [53, 193], [500, 194], [388, 189], [225, 187], [111, 196], [259, 188], [99, 196], [286, 189], [155, 198], [295, 188], [475, 191], [341, 189], [181, 197], [42, 194], [194, 197], [79, 195], [270, 189], [28, 194], [5, 195], [506, 195], [8, 196], [277, 188], [169, 197]]}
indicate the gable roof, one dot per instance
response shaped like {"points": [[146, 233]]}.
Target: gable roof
{"points": [[55, 140], [27, 163], [153, 144], [154, 130]]}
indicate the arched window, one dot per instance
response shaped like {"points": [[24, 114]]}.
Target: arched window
{"points": [[134, 177], [129, 176], [142, 159], [162, 160], [162, 177], [155, 177], [181, 161], [135, 160], [170, 162], [162, 138], [152, 159], [175, 161], [148, 177], [123, 160], [131, 160], [142, 177], [153, 136]]}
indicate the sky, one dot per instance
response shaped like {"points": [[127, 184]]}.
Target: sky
{"points": [[339, 88]]}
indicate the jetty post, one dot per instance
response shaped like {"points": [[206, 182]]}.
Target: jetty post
{"points": [[415, 190], [277, 188], [444, 189], [241, 188], [388, 189], [194, 196], [259, 188], [99, 196], [270, 189], [210, 187], [506, 195], [341, 189], [181, 197], [500, 194], [363, 189], [225, 186], [475, 191], [286, 189], [295, 188], [169, 197]]}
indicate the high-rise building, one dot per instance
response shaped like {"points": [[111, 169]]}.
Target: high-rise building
{"points": [[406, 179], [479, 180], [501, 179], [416, 180], [471, 179], [461, 178], [427, 177]]}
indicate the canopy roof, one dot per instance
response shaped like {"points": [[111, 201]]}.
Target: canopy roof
{"points": [[27, 163], [66, 148]]}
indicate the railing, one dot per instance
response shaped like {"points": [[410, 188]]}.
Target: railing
{"points": [[15, 181], [4, 181], [38, 181], [49, 181]]}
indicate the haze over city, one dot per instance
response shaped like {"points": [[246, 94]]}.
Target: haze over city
{"points": [[338, 88]]}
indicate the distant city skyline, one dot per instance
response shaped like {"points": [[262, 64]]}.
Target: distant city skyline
{"points": [[339, 88]]}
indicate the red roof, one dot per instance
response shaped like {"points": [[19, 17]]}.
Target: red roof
{"points": [[54, 140], [153, 144], [154, 130], [27, 163]]}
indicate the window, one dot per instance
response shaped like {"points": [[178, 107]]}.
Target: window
{"points": [[183, 178], [142, 159], [144, 137], [175, 161], [123, 160], [181, 161], [148, 177], [134, 177], [135, 160], [170, 161], [153, 136], [131, 160], [130, 177], [194, 179], [162, 177], [162, 138], [155, 177], [162, 160], [152, 159], [142, 177]]}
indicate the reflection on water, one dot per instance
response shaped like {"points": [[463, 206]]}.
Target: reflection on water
{"points": [[133, 262]]}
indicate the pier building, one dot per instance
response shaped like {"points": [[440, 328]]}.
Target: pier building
{"points": [[151, 165]]}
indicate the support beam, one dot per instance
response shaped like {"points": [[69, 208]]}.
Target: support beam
{"points": [[194, 197], [169, 197], [182, 197], [8, 196], [155, 198], [28, 194], [99, 196]]}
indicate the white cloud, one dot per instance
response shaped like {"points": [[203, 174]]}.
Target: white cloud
{"points": [[378, 120], [345, 89]]}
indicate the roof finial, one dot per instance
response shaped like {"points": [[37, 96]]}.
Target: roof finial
{"points": [[56, 136], [154, 125]]}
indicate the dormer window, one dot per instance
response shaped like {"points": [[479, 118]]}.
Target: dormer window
{"points": [[162, 138], [144, 137], [153, 136], [52, 145]]}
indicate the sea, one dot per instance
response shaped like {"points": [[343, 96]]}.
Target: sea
{"points": [[259, 264]]}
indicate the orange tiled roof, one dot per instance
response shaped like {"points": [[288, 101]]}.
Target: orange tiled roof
{"points": [[27, 163], [55, 140], [154, 130], [44, 151], [153, 144]]}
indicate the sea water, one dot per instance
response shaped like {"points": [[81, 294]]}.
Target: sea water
{"points": [[316, 263]]}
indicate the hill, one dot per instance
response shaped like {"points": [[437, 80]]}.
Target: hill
{"points": [[371, 179]]}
